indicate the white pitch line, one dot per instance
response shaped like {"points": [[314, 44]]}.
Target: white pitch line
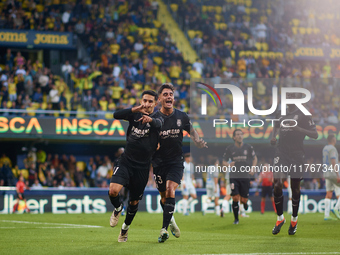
{"points": [[281, 253], [46, 223]]}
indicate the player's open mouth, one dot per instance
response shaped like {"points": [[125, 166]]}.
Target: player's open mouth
{"points": [[168, 102]]}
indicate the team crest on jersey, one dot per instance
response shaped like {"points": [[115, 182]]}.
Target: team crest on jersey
{"points": [[179, 122], [245, 152]]}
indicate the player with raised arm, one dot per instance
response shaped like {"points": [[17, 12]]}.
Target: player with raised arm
{"points": [[168, 160], [330, 158], [187, 184], [242, 156], [132, 168], [290, 153]]}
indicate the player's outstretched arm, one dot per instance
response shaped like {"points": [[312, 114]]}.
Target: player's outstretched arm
{"points": [[154, 122], [124, 113], [310, 133], [199, 142]]}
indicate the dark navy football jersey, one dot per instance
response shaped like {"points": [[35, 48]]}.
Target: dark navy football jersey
{"points": [[243, 157], [290, 141], [171, 137], [141, 139]]}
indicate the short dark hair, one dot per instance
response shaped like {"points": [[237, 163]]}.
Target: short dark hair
{"points": [[150, 92], [166, 86], [330, 138], [237, 129]]}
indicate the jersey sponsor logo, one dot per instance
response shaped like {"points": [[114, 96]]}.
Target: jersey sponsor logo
{"points": [[245, 152], [179, 122], [170, 132], [139, 132]]}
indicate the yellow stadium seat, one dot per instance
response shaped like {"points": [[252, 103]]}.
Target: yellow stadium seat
{"points": [[271, 73], [160, 49], [223, 26], [247, 10], [254, 10], [218, 9], [316, 30], [158, 60], [258, 46], [218, 17], [309, 30], [204, 8], [157, 23], [24, 173], [302, 30], [264, 54], [264, 46], [211, 8], [256, 54], [228, 43], [140, 31], [249, 3], [40, 7], [269, 12], [294, 30], [147, 32], [271, 54], [279, 54], [232, 17], [15, 173], [191, 34], [245, 36], [241, 53], [174, 7], [199, 33], [131, 39], [249, 53], [154, 32], [232, 53], [217, 25], [134, 55], [35, 105], [184, 1], [296, 22], [81, 165]]}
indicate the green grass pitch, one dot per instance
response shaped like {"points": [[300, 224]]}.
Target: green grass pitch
{"points": [[200, 234]]}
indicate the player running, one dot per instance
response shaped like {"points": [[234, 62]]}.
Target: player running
{"points": [[20, 188], [132, 169], [330, 158], [290, 153], [242, 157], [187, 183], [168, 160]]}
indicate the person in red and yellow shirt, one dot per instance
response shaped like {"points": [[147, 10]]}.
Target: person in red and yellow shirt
{"points": [[20, 188]]}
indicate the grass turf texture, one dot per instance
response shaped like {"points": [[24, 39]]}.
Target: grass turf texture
{"points": [[199, 234]]}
